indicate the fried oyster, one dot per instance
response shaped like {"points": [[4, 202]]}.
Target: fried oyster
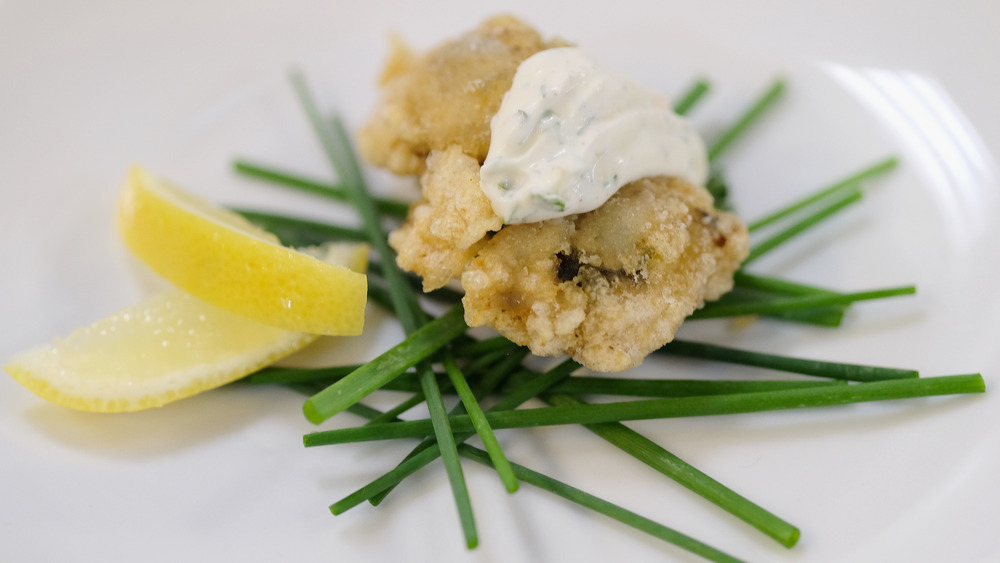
{"points": [[606, 287], [447, 96]]}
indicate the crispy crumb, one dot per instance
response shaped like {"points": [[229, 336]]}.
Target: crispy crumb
{"points": [[609, 286], [448, 96], [449, 224], [606, 287]]}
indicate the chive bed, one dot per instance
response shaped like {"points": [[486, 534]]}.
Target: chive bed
{"points": [[674, 407], [572, 494], [485, 386], [655, 456], [336, 143], [418, 459], [583, 385], [608, 509], [493, 365], [371, 376]]}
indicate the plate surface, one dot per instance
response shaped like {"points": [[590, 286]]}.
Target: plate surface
{"points": [[88, 88]]}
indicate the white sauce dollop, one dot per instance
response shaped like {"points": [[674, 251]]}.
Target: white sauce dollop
{"points": [[568, 135]]}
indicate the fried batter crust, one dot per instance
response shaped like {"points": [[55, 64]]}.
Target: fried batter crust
{"points": [[447, 96], [609, 286], [449, 224], [606, 287]]}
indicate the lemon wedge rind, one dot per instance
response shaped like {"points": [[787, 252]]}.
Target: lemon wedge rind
{"points": [[219, 257]]}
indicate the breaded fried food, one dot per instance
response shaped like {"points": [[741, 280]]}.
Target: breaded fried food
{"points": [[448, 225], [447, 96], [606, 287], [612, 285]]}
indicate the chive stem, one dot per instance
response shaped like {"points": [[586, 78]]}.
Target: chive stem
{"points": [[583, 499], [589, 385], [295, 231], [751, 115], [713, 405], [481, 425], [479, 347], [818, 368], [674, 387], [691, 96], [336, 142], [285, 376], [830, 316], [393, 413], [337, 146], [655, 456], [778, 305], [531, 388], [783, 236], [390, 207], [449, 454], [879, 168], [488, 383], [371, 376], [775, 285], [611, 510]]}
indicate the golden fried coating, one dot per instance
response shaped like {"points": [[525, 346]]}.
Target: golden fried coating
{"points": [[609, 286], [606, 287], [448, 96], [449, 224]]}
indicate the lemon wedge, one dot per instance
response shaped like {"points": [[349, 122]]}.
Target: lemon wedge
{"points": [[165, 348], [221, 258]]}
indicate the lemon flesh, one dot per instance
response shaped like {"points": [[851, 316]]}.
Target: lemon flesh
{"points": [[224, 260], [167, 347]]}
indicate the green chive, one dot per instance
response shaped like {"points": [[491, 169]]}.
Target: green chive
{"points": [[390, 207], [616, 512], [393, 413], [410, 465], [333, 136], [715, 310], [750, 116], [284, 376], [853, 180], [449, 454], [674, 387], [691, 96], [583, 499], [489, 382], [416, 347], [337, 146], [812, 220], [776, 285], [674, 407], [833, 370], [479, 347], [480, 424], [822, 316], [294, 231], [653, 455]]}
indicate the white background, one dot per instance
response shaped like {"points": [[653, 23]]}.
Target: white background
{"points": [[88, 88]]}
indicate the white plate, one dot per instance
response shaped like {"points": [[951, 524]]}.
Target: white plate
{"points": [[87, 88]]}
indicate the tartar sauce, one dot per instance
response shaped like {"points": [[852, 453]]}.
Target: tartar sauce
{"points": [[568, 135]]}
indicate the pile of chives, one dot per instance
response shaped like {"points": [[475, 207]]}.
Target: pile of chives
{"points": [[438, 357]]}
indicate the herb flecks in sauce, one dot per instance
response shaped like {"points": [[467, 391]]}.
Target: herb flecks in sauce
{"points": [[567, 131]]}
